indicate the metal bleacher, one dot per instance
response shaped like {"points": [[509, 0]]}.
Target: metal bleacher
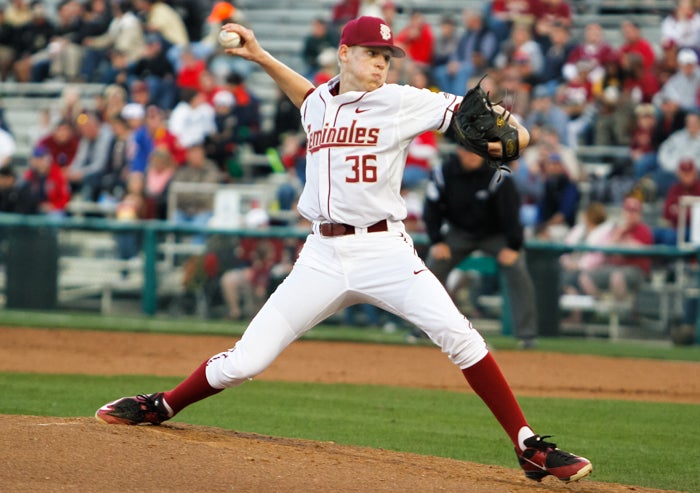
{"points": [[24, 103], [281, 26]]}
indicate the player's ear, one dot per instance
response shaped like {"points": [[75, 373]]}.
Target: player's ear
{"points": [[343, 52]]}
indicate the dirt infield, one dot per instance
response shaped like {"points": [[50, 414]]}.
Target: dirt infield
{"points": [[78, 454]]}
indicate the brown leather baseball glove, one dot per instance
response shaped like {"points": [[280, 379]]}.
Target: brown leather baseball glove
{"points": [[476, 123]]}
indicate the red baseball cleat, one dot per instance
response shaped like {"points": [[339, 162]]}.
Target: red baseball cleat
{"points": [[542, 458]]}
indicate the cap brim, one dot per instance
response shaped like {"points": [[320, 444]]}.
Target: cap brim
{"points": [[396, 52]]}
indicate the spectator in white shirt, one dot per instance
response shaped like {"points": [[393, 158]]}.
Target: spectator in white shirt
{"points": [[682, 26], [192, 119], [683, 86], [681, 144]]}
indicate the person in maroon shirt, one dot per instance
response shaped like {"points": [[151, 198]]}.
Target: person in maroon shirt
{"points": [[636, 43], [548, 14], [503, 13], [343, 11], [621, 273], [639, 84], [553, 11], [512, 10], [593, 47], [62, 143], [687, 184]]}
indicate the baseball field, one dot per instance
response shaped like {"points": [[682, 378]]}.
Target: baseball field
{"points": [[335, 416]]}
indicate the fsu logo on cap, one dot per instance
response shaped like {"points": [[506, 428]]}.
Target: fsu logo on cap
{"points": [[385, 31]]}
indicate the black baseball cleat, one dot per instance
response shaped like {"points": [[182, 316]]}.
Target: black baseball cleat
{"points": [[542, 458], [139, 409]]}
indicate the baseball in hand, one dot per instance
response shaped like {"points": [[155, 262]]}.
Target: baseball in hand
{"points": [[229, 39]]}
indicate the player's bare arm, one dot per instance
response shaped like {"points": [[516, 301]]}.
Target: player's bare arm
{"points": [[523, 133], [293, 84]]}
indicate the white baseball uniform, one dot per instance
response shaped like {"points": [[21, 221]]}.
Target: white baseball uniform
{"points": [[356, 151]]}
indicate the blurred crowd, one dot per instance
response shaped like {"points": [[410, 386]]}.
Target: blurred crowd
{"points": [[176, 108], [638, 96]]}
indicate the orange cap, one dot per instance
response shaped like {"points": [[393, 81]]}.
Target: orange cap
{"points": [[221, 12]]}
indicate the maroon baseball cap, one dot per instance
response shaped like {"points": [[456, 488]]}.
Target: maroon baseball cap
{"points": [[370, 31], [686, 164]]}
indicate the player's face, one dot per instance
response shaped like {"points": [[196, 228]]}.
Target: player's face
{"points": [[365, 67]]}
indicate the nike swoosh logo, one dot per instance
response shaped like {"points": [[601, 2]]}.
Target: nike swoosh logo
{"points": [[416, 272], [358, 110]]}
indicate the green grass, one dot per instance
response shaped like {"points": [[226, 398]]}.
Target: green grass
{"points": [[644, 444], [329, 332]]}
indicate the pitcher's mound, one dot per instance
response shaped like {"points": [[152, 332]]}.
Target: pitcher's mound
{"points": [[80, 454]]}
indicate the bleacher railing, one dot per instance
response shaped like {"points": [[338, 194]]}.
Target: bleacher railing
{"points": [[153, 232]]}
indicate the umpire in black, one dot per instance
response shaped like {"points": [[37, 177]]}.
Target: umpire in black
{"points": [[471, 206]]}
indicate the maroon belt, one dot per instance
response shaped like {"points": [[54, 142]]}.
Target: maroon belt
{"points": [[339, 229]]}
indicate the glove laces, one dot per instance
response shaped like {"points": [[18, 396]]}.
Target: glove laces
{"points": [[500, 167]]}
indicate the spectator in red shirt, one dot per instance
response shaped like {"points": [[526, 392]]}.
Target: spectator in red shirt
{"points": [[636, 43], [190, 70], [687, 184], [621, 273], [639, 84], [44, 189], [417, 39]]}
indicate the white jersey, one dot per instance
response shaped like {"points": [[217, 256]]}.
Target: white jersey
{"points": [[356, 149]]}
